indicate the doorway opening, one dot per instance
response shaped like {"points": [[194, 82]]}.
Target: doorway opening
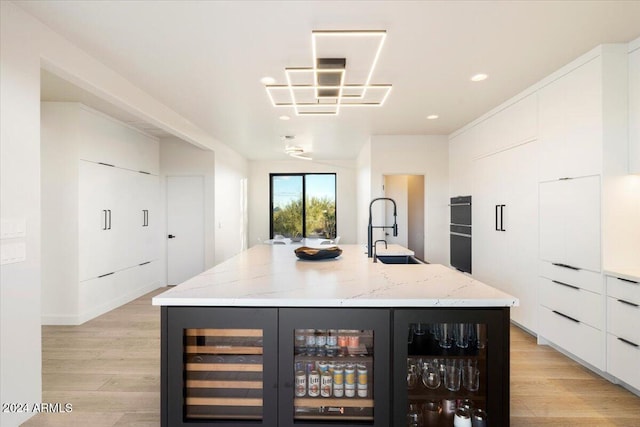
{"points": [[408, 192]]}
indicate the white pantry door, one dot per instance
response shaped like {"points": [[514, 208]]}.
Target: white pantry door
{"points": [[185, 228]]}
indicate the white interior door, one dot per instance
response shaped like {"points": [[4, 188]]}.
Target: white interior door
{"points": [[185, 227]]}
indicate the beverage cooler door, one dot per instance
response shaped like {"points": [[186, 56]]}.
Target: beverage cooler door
{"points": [[334, 364], [448, 369], [225, 372]]}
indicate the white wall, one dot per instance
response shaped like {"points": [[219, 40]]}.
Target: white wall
{"points": [[417, 155], [363, 163], [225, 174], [259, 194], [26, 45], [179, 158], [231, 204], [396, 187], [59, 205], [20, 354]]}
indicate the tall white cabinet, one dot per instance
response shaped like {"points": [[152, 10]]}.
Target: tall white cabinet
{"points": [[582, 122], [505, 228], [555, 207], [634, 107], [100, 213]]}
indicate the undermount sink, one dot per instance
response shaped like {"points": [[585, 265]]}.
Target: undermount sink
{"points": [[399, 259]]}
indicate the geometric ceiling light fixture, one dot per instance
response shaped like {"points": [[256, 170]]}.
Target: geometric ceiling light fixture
{"points": [[343, 65]]}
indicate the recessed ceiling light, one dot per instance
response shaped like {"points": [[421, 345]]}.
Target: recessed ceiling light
{"points": [[284, 117], [479, 77], [267, 80], [432, 116]]}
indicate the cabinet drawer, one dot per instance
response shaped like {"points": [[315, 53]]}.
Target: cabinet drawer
{"points": [[584, 279], [623, 289], [575, 302], [623, 319], [623, 360], [579, 339]]}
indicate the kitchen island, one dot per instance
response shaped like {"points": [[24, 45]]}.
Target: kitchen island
{"points": [[249, 340]]}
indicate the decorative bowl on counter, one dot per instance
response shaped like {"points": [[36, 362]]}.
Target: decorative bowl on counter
{"points": [[313, 254]]}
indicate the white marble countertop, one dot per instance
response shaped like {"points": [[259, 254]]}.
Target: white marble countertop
{"points": [[625, 273], [272, 276]]}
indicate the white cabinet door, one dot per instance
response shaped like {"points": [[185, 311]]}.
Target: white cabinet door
{"points": [[97, 201], [147, 218], [505, 198], [570, 123], [634, 111], [570, 222], [551, 108], [520, 220], [487, 241], [112, 236], [552, 217], [103, 139]]}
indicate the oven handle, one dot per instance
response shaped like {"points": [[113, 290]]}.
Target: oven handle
{"points": [[453, 233]]}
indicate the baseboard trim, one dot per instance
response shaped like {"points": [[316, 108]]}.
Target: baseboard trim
{"points": [[71, 320]]}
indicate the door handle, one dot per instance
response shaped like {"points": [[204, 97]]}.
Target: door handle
{"points": [[502, 217], [109, 213], [497, 207], [171, 236], [104, 213]]}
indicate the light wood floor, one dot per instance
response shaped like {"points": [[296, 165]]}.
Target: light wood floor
{"points": [[109, 369]]}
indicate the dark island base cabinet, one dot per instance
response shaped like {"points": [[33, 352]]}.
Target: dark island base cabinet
{"points": [[242, 366], [429, 344]]}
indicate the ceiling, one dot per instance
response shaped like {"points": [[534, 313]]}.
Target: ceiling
{"points": [[205, 59]]}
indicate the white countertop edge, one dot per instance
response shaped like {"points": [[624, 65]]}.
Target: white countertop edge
{"points": [[625, 274], [387, 303]]}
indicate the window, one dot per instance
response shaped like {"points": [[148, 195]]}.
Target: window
{"points": [[303, 205]]}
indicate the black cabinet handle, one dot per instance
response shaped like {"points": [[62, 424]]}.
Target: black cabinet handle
{"points": [[497, 208], [566, 284], [627, 280], [171, 236], [566, 317], [502, 217], [109, 213], [105, 275], [628, 342], [628, 303], [557, 264], [104, 215]]}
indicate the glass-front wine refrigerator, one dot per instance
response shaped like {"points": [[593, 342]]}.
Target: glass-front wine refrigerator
{"points": [[221, 366], [335, 367], [451, 368], [276, 366]]}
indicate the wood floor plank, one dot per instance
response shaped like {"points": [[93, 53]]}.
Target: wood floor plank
{"points": [[109, 369]]}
